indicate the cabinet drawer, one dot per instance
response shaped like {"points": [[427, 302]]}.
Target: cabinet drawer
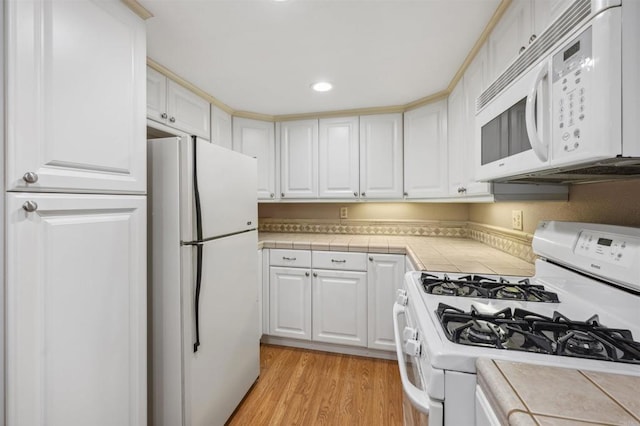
{"points": [[339, 260], [295, 258]]}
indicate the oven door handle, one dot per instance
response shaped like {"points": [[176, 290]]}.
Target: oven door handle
{"points": [[418, 397], [539, 146]]}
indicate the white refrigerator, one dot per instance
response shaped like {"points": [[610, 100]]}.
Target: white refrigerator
{"points": [[203, 275]]}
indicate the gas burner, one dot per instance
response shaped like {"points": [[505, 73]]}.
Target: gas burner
{"points": [[582, 343], [523, 330], [487, 288]]}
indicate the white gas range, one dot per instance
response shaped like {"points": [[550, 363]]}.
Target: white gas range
{"points": [[580, 310]]}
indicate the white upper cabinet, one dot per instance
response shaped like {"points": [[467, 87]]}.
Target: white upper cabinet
{"points": [[299, 159], [547, 11], [177, 107], [221, 133], [76, 326], [521, 24], [338, 158], [458, 173], [381, 156], [75, 114], [257, 139], [510, 36], [425, 151]]}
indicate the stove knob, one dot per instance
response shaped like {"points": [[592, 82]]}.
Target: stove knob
{"points": [[402, 298], [410, 333], [413, 347]]}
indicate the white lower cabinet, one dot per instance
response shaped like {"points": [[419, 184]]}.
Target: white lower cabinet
{"points": [[76, 310], [385, 275], [290, 302], [340, 307], [343, 298]]}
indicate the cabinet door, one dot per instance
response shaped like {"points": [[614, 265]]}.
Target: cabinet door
{"points": [[340, 307], [457, 108], [290, 302], [475, 81], [187, 111], [75, 97], [381, 156], [545, 12], [76, 310], [257, 139], [425, 151], [156, 96], [299, 159], [221, 127], [509, 36], [385, 275], [338, 158]]}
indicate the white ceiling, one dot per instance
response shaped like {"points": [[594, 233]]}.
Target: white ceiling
{"points": [[262, 55]]}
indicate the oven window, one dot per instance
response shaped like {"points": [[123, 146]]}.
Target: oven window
{"points": [[505, 135]]}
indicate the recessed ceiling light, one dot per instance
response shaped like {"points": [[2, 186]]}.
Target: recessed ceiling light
{"points": [[322, 86]]}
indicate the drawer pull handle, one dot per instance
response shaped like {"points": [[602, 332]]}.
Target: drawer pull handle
{"points": [[339, 261], [288, 258]]}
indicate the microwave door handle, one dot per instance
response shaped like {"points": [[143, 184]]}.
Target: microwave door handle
{"points": [[417, 396], [540, 148]]}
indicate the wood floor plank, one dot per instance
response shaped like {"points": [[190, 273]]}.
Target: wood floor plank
{"points": [[303, 387]]}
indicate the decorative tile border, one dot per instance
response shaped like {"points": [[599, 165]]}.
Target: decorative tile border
{"points": [[515, 243], [364, 227]]}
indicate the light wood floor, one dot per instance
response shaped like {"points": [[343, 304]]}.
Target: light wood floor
{"points": [[302, 387]]}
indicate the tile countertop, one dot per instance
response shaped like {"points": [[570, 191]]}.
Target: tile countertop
{"points": [[527, 394], [429, 253]]}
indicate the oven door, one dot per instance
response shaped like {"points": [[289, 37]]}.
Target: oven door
{"points": [[418, 407], [513, 131]]}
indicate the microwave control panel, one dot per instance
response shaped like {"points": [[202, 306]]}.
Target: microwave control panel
{"points": [[572, 67]]}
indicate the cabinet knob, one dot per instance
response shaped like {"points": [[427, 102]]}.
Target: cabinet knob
{"points": [[363, 194], [282, 194], [273, 195], [30, 177], [532, 38], [163, 115], [315, 274], [355, 194], [406, 194], [306, 274], [370, 258], [172, 119], [521, 49], [30, 206]]}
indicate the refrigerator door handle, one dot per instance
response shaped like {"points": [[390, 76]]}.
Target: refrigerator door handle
{"points": [[199, 248]]}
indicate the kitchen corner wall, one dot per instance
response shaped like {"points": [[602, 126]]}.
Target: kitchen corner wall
{"points": [[613, 203], [365, 211]]}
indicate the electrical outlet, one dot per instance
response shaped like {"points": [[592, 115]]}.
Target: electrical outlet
{"points": [[344, 213], [516, 219]]}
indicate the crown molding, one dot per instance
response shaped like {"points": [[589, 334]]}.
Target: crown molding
{"points": [[138, 9]]}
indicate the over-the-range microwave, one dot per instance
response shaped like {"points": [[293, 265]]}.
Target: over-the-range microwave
{"points": [[568, 108]]}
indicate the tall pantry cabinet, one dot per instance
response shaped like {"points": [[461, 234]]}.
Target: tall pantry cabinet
{"points": [[75, 181]]}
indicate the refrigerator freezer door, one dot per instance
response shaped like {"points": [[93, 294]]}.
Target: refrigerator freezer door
{"points": [[228, 359], [227, 182]]}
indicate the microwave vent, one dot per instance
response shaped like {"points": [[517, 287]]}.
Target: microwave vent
{"points": [[570, 19], [606, 171]]}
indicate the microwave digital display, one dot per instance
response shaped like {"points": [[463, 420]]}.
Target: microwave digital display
{"points": [[572, 50]]}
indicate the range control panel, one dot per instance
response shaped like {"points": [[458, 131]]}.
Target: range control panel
{"points": [[607, 248]]}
